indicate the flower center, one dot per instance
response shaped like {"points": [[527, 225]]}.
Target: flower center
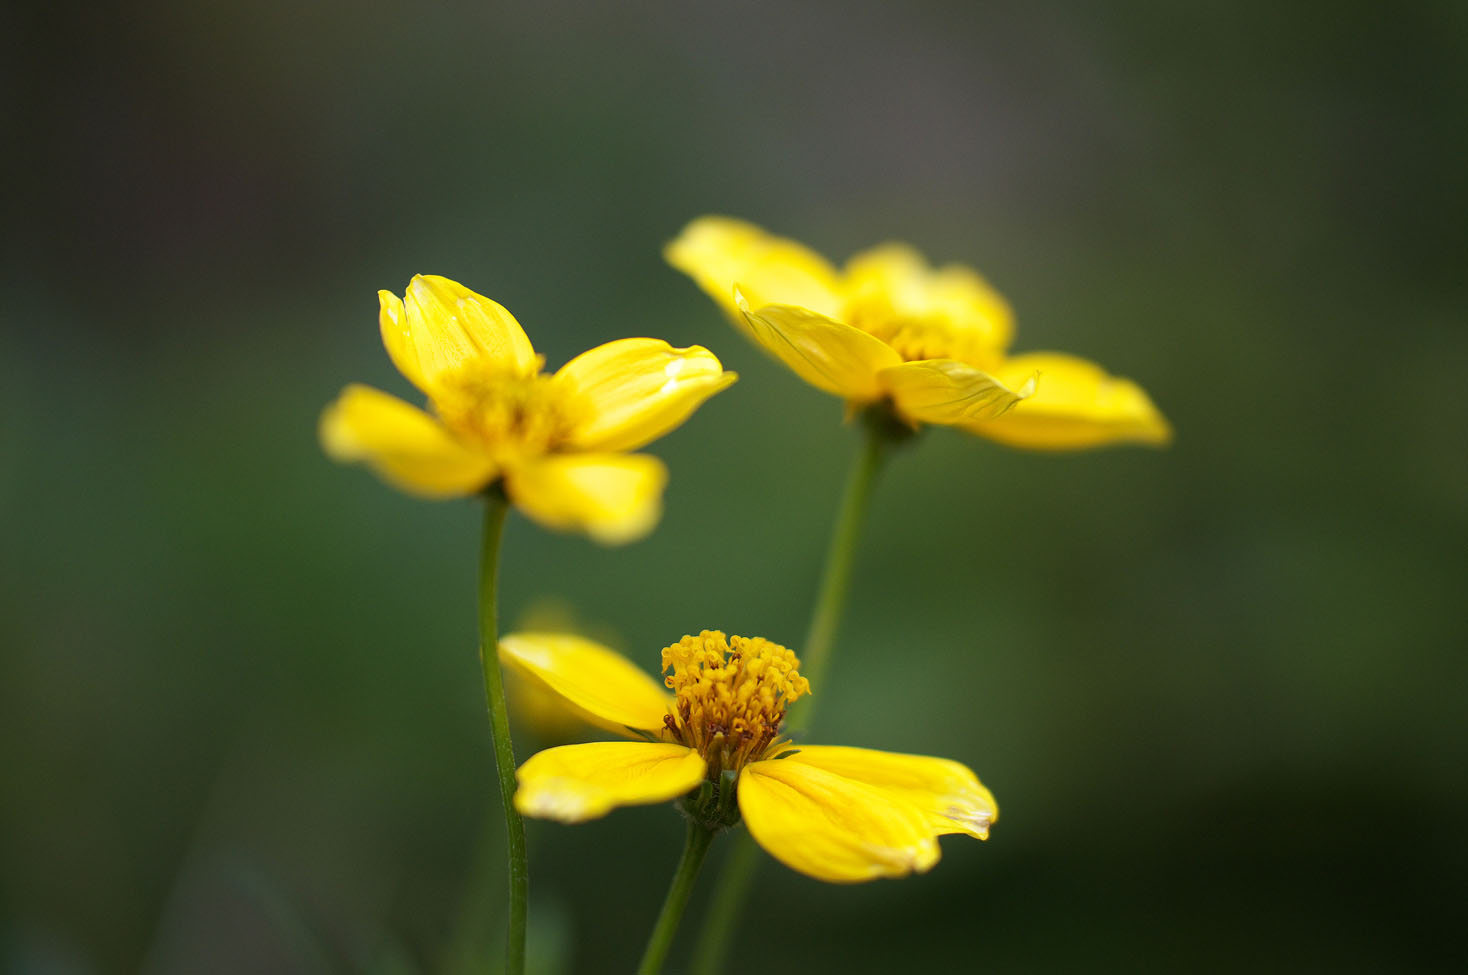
{"points": [[509, 416], [916, 337], [729, 696]]}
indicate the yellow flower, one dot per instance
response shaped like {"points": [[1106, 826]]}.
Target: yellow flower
{"points": [[929, 342], [837, 814], [556, 442]]}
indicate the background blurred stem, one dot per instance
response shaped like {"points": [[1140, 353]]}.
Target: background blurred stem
{"points": [[496, 506], [735, 878], [661, 939], [815, 659]]}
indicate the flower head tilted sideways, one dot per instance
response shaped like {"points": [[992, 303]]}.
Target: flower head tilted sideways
{"points": [[931, 343], [557, 443], [838, 814]]}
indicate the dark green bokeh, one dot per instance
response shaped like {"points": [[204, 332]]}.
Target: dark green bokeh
{"points": [[1217, 689]]}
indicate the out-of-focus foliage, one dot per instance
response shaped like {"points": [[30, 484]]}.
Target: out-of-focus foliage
{"points": [[1217, 689]]}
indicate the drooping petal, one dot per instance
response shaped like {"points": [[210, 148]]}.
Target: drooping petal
{"points": [[896, 281], [948, 791], [405, 446], [946, 391], [1076, 405], [635, 390], [720, 253], [574, 783], [614, 498], [830, 355], [450, 329], [833, 828], [597, 683]]}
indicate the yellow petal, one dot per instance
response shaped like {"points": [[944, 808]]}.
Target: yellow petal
{"points": [[450, 328], [949, 392], [596, 682], [397, 338], [948, 791], [831, 827], [895, 280], [614, 498], [406, 446], [1076, 405], [540, 714], [721, 252], [829, 355], [574, 783], [636, 390]]}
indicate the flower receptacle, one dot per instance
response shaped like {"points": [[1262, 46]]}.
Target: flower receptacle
{"points": [[714, 805]]}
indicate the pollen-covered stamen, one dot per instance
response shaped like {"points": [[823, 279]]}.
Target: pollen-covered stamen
{"points": [[729, 696], [509, 415]]}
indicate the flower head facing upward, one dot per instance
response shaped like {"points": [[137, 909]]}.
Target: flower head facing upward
{"points": [[729, 697], [556, 442], [838, 814], [930, 343]]}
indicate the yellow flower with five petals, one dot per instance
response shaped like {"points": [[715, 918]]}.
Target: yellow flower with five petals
{"points": [[930, 342], [557, 443], [838, 814]]}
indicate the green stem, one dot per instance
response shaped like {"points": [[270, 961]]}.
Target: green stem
{"points": [[737, 875], [496, 506], [661, 939], [735, 878], [815, 653]]}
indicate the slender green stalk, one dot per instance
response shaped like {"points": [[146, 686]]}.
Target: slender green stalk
{"points": [[496, 506], [661, 939], [825, 619], [737, 876]]}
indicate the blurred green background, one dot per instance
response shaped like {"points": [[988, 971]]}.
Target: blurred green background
{"points": [[1218, 689]]}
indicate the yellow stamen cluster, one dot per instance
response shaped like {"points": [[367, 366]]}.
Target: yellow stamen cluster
{"points": [[916, 338], [509, 415], [729, 696]]}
